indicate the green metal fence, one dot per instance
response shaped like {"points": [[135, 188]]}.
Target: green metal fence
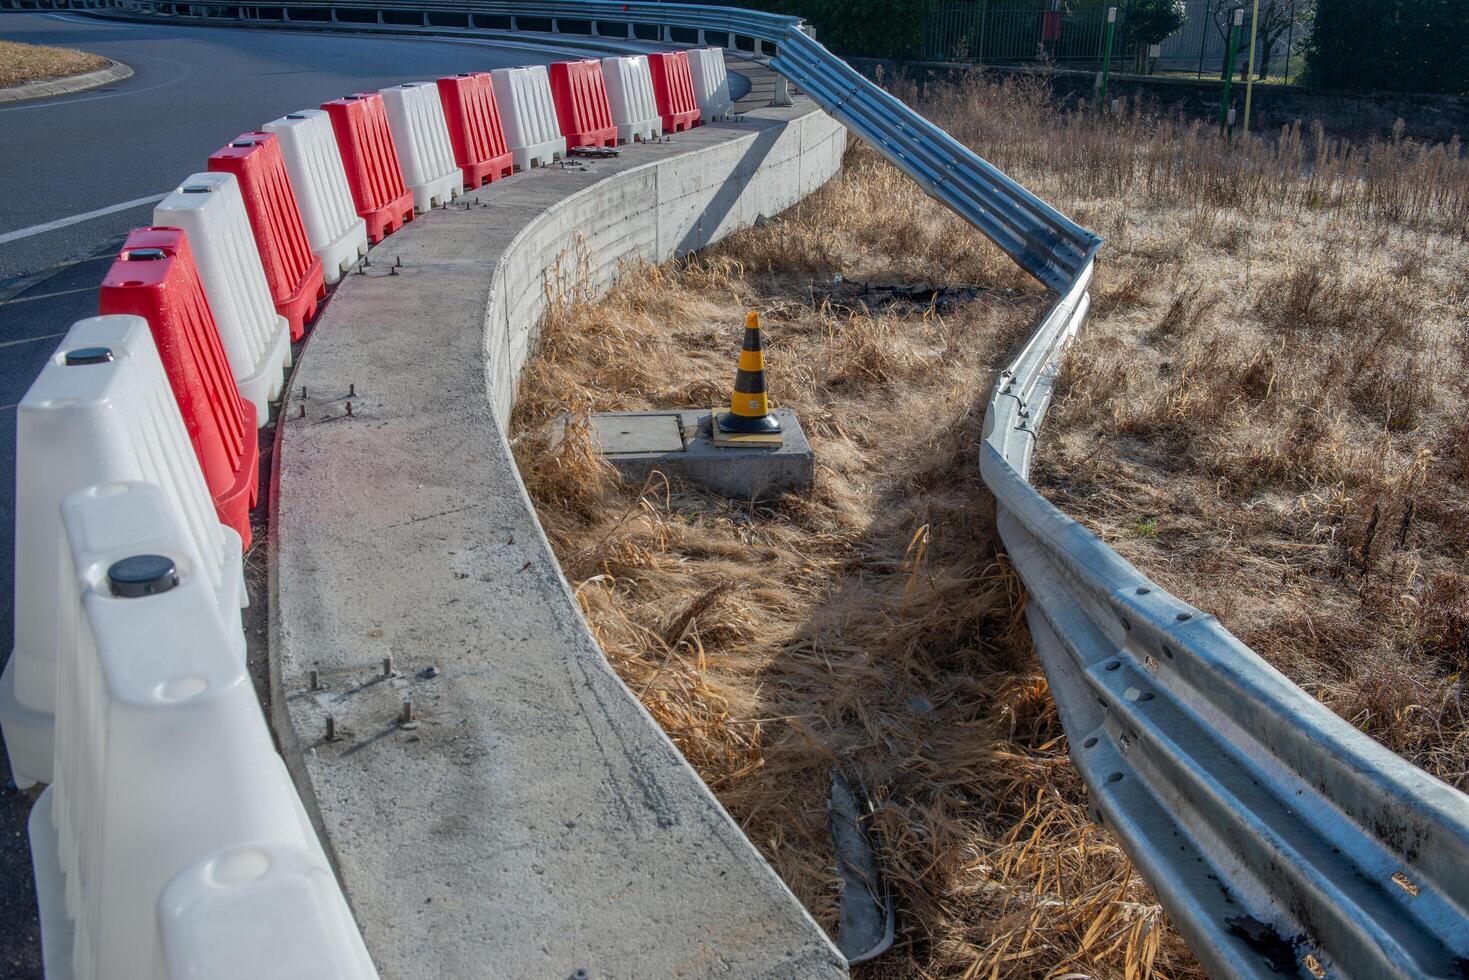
{"points": [[1070, 33], [1007, 33]]}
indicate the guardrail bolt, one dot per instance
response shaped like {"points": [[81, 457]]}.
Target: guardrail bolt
{"points": [[387, 666], [405, 716], [302, 413], [315, 679], [303, 391], [331, 728], [352, 391], [349, 409]]}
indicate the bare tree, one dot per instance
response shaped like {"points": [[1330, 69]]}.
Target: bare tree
{"points": [[1277, 19]]}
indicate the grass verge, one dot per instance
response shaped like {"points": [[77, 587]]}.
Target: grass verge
{"points": [[21, 63]]}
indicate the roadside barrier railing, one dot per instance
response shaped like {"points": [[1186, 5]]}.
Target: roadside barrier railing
{"points": [[293, 273], [209, 209], [1280, 839], [181, 846], [370, 159], [581, 103], [630, 95], [336, 232], [101, 411], [711, 83], [673, 89], [154, 277], [528, 113], [475, 130], [421, 139]]}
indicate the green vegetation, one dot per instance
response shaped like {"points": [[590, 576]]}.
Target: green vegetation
{"points": [[1398, 45], [871, 28]]}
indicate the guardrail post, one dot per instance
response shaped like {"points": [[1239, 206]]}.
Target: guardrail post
{"points": [[1250, 75], [1107, 55], [1239, 19], [782, 91]]}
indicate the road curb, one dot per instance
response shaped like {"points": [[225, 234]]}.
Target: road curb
{"points": [[45, 88]]}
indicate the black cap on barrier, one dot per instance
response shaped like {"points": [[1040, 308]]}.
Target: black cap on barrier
{"points": [[142, 575]]}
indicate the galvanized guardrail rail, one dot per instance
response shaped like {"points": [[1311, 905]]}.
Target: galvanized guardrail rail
{"points": [[1280, 839]]}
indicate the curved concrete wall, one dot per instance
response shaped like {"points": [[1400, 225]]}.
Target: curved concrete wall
{"points": [[533, 820]]}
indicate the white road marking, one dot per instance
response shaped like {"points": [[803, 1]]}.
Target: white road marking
{"points": [[30, 340], [76, 219]]}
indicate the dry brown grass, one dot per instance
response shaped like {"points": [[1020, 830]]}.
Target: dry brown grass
{"points": [[875, 624], [20, 63]]}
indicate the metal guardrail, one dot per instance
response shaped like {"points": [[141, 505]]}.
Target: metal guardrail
{"points": [[1281, 840]]}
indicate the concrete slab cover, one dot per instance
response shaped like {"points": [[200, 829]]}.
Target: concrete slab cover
{"points": [[628, 432], [536, 822], [738, 472]]}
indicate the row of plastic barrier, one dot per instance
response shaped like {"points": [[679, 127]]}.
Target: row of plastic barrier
{"points": [[155, 277], [475, 129], [529, 114], [711, 84], [421, 137], [293, 273], [673, 87], [581, 103], [174, 838], [170, 841], [630, 94]]}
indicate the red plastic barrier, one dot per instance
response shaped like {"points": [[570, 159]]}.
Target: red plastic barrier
{"points": [[360, 123], [581, 103], [475, 129], [292, 271], [154, 277], [673, 86]]}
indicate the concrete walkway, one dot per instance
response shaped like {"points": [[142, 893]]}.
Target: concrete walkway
{"points": [[533, 821]]}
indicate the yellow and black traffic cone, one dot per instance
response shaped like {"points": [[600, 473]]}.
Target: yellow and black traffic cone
{"points": [[749, 410]]}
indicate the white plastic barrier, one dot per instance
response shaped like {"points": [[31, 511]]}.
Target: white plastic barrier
{"points": [[337, 234], [101, 410], [421, 140], [529, 115], [172, 826], [711, 83], [257, 339], [630, 93]]}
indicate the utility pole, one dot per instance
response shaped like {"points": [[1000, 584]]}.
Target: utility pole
{"points": [[1238, 21], [1107, 55], [1250, 81]]}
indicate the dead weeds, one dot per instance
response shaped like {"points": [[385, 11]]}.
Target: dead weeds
{"points": [[1269, 425], [21, 63]]}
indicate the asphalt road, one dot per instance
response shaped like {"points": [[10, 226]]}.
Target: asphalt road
{"points": [[194, 89]]}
